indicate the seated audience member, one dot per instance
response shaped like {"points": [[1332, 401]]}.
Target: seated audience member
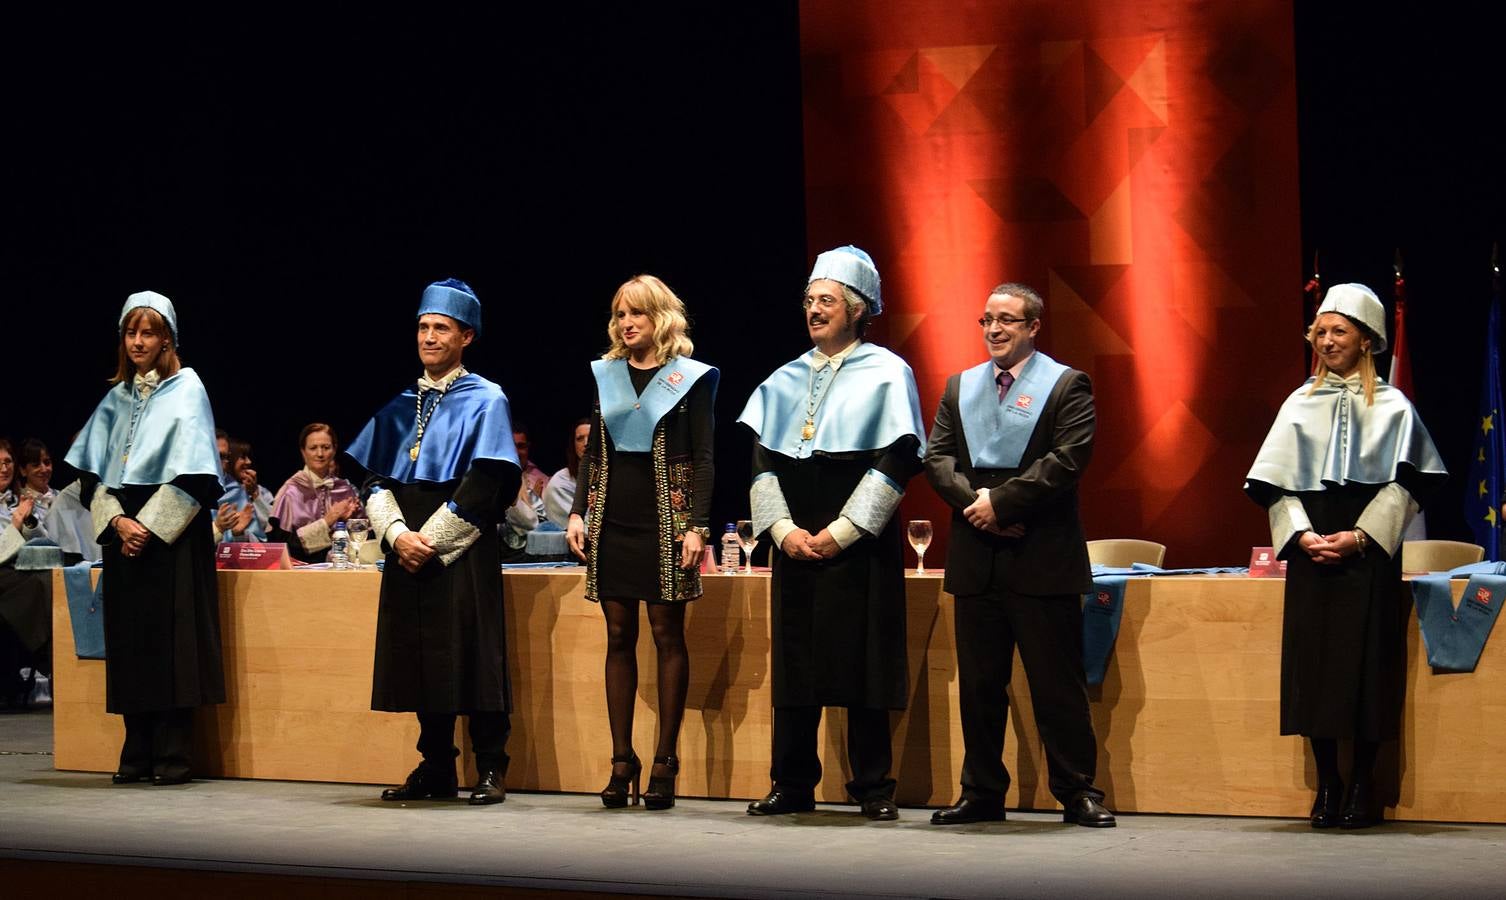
{"points": [[525, 514], [34, 471], [308, 505], [533, 476], [559, 494], [245, 509], [56, 516], [25, 597]]}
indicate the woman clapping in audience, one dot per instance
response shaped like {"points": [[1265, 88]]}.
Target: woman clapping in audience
{"points": [[309, 504]]}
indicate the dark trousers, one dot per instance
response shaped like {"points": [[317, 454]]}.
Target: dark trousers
{"points": [[1048, 632], [158, 743], [797, 765], [489, 731]]}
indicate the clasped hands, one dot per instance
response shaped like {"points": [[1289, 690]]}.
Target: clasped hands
{"points": [[414, 550], [133, 535], [801, 544], [980, 514], [1328, 549]]}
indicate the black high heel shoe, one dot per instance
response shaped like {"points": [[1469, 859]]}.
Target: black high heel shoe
{"points": [[661, 788], [615, 794]]}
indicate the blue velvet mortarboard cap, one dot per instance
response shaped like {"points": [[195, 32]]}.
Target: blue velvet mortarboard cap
{"points": [[454, 298], [853, 267]]}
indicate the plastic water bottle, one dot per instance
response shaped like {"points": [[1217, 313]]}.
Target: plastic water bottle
{"points": [[731, 549], [339, 544]]}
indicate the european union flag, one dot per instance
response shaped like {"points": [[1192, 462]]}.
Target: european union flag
{"points": [[1487, 468]]}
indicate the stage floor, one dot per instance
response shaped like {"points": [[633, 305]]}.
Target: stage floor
{"points": [[293, 836]]}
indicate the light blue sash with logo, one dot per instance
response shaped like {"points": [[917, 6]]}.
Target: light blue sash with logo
{"points": [[630, 417], [997, 431], [1454, 638]]}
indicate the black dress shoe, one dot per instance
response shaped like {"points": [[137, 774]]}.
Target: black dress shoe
{"points": [[424, 783], [781, 802], [1327, 805], [969, 810], [129, 777], [880, 809], [163, 780], [489, 788], [1088, 811], [1359, 810]]}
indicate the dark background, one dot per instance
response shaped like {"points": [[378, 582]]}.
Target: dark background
{"points": [[293, 184]]}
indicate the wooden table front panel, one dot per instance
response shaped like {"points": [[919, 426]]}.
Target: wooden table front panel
{"points": [[1187, 718]]}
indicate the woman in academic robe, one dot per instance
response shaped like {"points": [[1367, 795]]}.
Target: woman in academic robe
{"points": [[559, 494], [149, 472], [640, 520], [308, 505], [1346, 464], [25, 597]]}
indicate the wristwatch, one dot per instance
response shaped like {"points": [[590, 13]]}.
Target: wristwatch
{"points": [[701, 530]]}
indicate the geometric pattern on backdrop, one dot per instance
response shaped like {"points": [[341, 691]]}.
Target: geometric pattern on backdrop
{"points": [[1137, 164]]}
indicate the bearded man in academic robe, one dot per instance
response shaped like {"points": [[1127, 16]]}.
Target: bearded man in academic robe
{"points": [[839, 434]]}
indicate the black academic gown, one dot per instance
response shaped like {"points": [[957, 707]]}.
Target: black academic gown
{"points": [[1343, 631], [441, 633], [161, 609], [839, 624]]}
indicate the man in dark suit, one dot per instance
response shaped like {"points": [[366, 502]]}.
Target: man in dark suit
{"points": [[1011, 439]]}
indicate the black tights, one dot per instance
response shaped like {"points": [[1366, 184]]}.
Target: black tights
{"points": [[668, 623], [1326, 756]]}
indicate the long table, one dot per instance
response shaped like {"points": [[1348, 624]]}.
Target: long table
{"points": [[1187, 717]]}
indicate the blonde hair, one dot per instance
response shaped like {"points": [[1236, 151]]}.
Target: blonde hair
{"points": [[1366, 364], [664, 309], [168, 363]]}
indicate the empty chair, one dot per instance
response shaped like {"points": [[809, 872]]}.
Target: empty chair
{"points": [[1125, 552], [1434, 556]]}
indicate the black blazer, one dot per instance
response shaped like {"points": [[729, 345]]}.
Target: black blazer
{"points": [[1052, 556]]}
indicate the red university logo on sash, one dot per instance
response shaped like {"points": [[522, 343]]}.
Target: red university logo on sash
{"points": [[675, 378], [1482, 595], [1023, 401], [1104, 599]]}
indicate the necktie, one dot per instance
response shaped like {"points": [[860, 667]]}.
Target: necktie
{"points": [[1005, 379]]}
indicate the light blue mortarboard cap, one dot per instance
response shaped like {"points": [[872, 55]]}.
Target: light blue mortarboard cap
{"points": [[454, 298], [853, 267], [153, 301]]}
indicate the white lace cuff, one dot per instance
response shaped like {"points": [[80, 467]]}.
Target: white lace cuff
{"points": [[11, 543], [873, 502], [168, 513], [386, 516], [314, 536], [1386, 515], [102, 511], [450, 534], [1288, 518], [767, 500]]}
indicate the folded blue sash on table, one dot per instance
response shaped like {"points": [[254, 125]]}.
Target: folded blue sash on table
{"points": [[86, 609], [1454, 638], [1104, 608]]}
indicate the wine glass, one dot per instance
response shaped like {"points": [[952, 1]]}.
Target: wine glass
{"points": [[749, 540], [920, 538], [357, 528]]}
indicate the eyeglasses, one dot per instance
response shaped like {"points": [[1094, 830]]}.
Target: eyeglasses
{"points": [[1006, 321], [824, 303]]}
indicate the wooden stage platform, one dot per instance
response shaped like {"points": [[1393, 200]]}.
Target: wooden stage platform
{"points": [[1186, 718]]}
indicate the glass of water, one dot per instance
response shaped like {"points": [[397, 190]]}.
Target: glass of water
{"points": [[919, 533], [748, 540], [358, 529]]}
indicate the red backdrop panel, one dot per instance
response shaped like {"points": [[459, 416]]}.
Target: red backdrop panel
{"points": [[1137, 164]]}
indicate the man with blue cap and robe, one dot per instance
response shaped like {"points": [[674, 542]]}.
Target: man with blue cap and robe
{"points": [[839, 434], [1010, 442], [441, 472]]}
